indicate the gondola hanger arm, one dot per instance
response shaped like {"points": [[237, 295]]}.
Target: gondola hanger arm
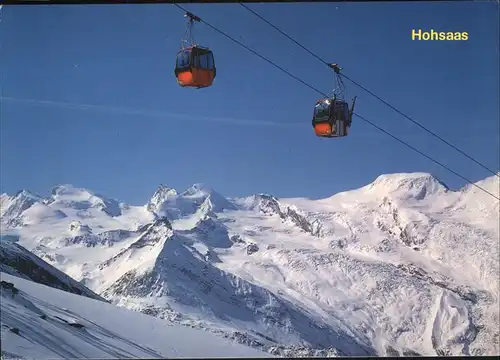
{"points": [[335, 68], [192, 17]]}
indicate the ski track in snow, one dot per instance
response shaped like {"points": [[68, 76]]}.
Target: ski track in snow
{"points": [[57, 324]]}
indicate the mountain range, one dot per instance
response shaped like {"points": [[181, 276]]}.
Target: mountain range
{"points": [[401, 266]]}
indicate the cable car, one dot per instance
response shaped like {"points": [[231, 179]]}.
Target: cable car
{"points": [[195, 65], [332, 117]]}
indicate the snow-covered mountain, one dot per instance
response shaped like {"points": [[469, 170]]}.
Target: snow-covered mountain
{"points": [[39, 322], [403, 265]]}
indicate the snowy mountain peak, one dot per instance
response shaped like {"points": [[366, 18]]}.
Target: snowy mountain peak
{"points": [[160, 230], [491, 184], [159, 197], [266, 196], [407, 185], [12, 207], [198, 198], [25, 194], [68, 196], [262, 202], [198, 190], [163, 189], [251, 202], [268, 204], [202, 191], [64, 189]]}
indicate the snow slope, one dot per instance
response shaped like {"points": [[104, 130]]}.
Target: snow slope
{"points": [[55, 324], [403, 265], [17, 261]]}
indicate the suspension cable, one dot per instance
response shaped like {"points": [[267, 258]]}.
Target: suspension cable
{"points": [[373, 94], [359, 116]]}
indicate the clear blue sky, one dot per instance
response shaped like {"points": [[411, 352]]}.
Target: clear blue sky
{"points": [[122, 56]]}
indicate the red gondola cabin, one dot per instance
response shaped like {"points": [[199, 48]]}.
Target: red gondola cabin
{"points": [[195, 67]]}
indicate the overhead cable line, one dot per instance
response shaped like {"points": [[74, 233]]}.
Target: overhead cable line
{"points": [[254, 52], [370, 92], [425, 155], [323, 94]]}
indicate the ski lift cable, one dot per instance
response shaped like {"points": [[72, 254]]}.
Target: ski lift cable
{"points": [[359, 116], [373, 94]]}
